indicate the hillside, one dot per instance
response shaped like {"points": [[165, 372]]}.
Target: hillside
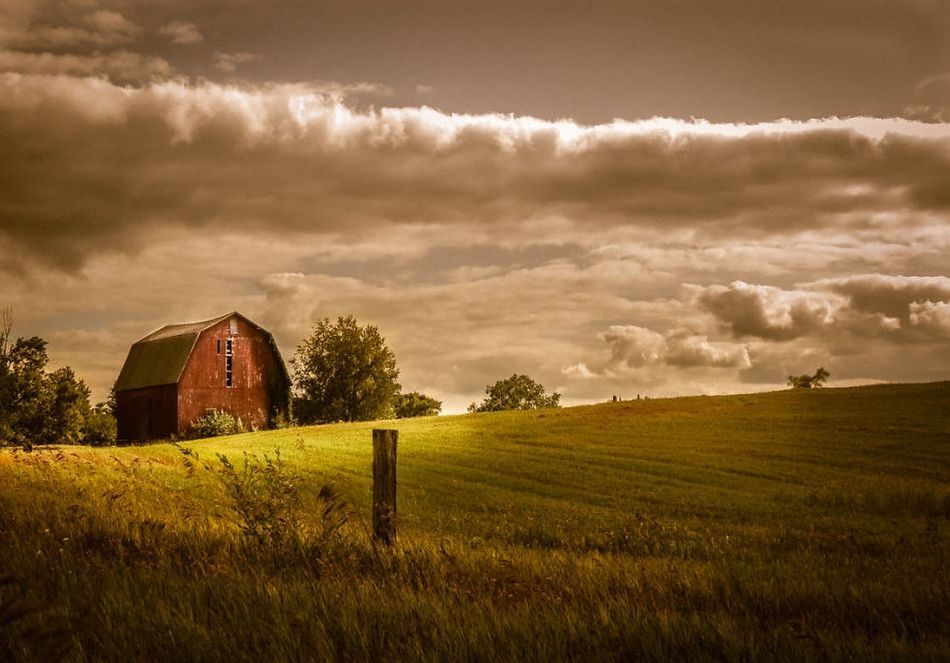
{"points": [[781, 525]]}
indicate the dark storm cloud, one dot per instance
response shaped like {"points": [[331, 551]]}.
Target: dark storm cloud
{"points": [[91, 166], [730, 60]]}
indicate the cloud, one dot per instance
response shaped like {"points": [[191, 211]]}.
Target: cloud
{"points": [[119, 65], [79, 45], [688, 350], [229, 62], [298, 158], [181, 32], [99, 28], [931, 100], [889, 295], [766, 311], [862, 327], [633, 347], [901, 308], [112, 23]]}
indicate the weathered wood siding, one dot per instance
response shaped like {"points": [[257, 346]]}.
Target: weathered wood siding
{"points": [[147, 413], [256, 376]]}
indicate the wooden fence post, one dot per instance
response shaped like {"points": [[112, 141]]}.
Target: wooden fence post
{"points": [[384, 485]]}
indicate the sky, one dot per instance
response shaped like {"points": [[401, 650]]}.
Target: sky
{"points": [[654, 197]]}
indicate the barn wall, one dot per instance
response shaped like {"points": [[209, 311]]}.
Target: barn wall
{"points": [[202, 385], [148, 413]]}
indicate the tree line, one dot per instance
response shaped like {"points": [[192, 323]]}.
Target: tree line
{"points": [[341, 372]]}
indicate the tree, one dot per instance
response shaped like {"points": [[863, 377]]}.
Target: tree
{"points": [[67, 407], [519, 392], [809, 381], [415, 404], [41, 407], [344, 372], [27, 409]]}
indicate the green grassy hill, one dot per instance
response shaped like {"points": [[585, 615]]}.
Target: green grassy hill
{"points": [[782, 525]]}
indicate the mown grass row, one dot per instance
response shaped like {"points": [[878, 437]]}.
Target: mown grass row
{"points": [[782, 526]]}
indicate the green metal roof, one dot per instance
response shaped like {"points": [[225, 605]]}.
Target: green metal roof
{"points": [[160, 357], [155, 362]]}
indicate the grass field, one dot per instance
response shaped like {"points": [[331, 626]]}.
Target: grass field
{"points": [[792, 525]]}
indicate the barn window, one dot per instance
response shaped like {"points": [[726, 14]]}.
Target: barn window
{"points": [[219, 346], [228, 363], [234, 330]]}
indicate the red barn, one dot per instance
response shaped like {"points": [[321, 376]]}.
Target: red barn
{"points": [[177, 374]]}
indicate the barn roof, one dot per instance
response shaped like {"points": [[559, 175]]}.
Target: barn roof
{"points": [[160, 357]]}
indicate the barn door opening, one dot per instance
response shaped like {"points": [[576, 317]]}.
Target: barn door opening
{"points": [[151, 419], [140, 414]]}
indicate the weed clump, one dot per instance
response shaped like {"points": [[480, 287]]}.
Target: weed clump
{"points": [[264, 498], [269, 510]]}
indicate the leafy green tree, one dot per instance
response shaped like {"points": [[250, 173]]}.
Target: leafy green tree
{"points": [[519, 392], [344, 372], [28, 406], [415, 404], [67, 407], [809, 381], [41, 407]]}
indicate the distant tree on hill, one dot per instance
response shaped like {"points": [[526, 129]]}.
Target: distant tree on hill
{"points": [[519, 392], [415, 404], [809, 381], [344, 372]]}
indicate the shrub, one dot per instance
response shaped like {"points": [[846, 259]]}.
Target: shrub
{"points": [[215, 423], [415, 404], [99, 429]]}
